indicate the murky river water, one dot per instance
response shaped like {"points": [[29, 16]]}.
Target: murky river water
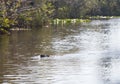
{"points": [[81, 54]]}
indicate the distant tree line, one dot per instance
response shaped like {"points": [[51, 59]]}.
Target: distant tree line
{"points": [[82, 8], [27, 13]]}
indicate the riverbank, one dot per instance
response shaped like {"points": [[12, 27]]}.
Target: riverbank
{"points": [[61, 22], [20, 29]]}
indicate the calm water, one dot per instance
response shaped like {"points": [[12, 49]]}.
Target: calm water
{"points": [[81, 54]]}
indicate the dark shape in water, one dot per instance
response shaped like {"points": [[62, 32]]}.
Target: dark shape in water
{"points": [[44, 56]]}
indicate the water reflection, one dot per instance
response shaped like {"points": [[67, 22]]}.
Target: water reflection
{"points": [[4, 42], [80, 54]]}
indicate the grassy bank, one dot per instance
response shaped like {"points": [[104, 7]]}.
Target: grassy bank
{"points": [[6, 24]]}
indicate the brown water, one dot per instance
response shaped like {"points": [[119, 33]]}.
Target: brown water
{"points": [[81, 54]]}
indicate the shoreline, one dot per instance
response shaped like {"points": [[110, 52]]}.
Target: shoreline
{"points": [[20, 29]]}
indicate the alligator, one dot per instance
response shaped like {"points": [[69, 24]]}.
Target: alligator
{"points": [[44, 56]]}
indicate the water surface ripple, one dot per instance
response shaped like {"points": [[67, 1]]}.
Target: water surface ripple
{"points": [[80, 54]]}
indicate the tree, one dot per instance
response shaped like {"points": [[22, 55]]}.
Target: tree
{"points": [[20, 13], [8, 13]]}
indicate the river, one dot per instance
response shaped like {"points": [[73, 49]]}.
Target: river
{"points": [[79, 54]]}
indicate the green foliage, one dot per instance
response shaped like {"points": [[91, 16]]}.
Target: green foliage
{"points": [[8, 14], [43, 14], [24, 13], [23, 21], [6, 23], [3, 31], [78, 8]]}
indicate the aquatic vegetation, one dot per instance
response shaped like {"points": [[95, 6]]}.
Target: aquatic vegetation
{"points": [[69, 21]]}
